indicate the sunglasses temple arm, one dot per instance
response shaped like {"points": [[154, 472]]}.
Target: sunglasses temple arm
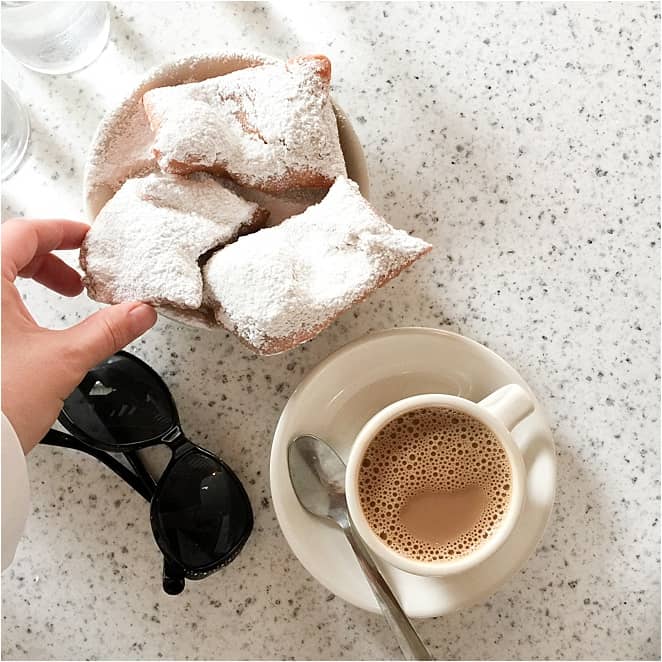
{"points": [[139, 467], [62, 440], [173, 578]]}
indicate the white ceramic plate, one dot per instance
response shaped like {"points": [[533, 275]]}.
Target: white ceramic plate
{"points": [[341, 394], [121, 147]]}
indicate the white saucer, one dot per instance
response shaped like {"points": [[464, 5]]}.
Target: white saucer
{"points": [[341, 394]]}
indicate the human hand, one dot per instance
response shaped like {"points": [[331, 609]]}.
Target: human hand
{"points": [[41, 367]]}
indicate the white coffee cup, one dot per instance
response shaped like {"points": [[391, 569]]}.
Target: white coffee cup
{"points": [[500, 412]]}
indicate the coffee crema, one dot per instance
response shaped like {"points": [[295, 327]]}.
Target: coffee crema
{"points": [[434, 484]]}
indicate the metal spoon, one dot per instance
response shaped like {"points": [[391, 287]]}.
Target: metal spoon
{"points": [[318, 478]]}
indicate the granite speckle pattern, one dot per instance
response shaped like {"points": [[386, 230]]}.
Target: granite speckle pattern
{"points": [[522, 140]]}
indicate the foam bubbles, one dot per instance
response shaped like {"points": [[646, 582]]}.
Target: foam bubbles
{"points": [[434, 450]]}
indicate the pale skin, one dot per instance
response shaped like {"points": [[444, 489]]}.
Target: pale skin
{"points": [[41, 367]]}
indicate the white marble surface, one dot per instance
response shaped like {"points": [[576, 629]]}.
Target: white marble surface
{"points": [[522, 140]]}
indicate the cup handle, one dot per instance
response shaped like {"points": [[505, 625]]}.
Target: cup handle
{"points": [[510, 404]]}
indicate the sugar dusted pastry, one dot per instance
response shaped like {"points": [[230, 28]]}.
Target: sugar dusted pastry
{"points": [[270, 127], [283, 285], [146, 241]]}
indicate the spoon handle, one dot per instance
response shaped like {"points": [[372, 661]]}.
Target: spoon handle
{"points": [[410, 643]]}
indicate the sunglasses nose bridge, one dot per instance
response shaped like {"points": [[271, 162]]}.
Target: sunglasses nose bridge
{"points": [[178, 444]]}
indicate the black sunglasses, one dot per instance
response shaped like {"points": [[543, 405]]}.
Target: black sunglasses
{"points": [[200, 513]]}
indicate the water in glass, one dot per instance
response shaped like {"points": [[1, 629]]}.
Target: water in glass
{"points": [[55, 37]]}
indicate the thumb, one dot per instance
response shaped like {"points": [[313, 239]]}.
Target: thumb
{"points": [[108, 330]]}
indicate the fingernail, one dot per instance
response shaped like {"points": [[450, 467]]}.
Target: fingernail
{"points": [[143, 317]]}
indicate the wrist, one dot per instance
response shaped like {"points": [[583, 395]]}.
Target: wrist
{"points": [[26, 430]]}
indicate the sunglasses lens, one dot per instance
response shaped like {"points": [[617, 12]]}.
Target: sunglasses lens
{"points": [[201, 515], [120, 401]]}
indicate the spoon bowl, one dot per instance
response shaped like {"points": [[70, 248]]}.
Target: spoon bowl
{"points": [[318, 476]]}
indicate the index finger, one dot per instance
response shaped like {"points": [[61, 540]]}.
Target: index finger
{"points": [[24, 239]]}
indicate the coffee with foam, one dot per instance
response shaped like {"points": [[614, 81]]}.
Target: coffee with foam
{"points": [[434, 484]]}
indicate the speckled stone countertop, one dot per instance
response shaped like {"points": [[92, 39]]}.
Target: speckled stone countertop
{"points": [[522, 140]]}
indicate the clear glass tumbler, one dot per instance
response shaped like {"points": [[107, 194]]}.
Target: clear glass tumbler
{"points": [[15, 131], [55, 37]]}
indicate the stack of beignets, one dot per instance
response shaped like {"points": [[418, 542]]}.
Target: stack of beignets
{"points": [[182, 240]]}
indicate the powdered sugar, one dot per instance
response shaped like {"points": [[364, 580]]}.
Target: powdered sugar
{"points": [[297, 277], [146, 241], [122, 146], [123, 150], [270, 126]]}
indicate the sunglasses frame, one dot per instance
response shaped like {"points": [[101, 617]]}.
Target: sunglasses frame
{"points": [[166, 438], [142, 481]]}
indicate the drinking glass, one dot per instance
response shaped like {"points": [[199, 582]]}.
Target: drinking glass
{"points": [[15, 131], [55, 37]]}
